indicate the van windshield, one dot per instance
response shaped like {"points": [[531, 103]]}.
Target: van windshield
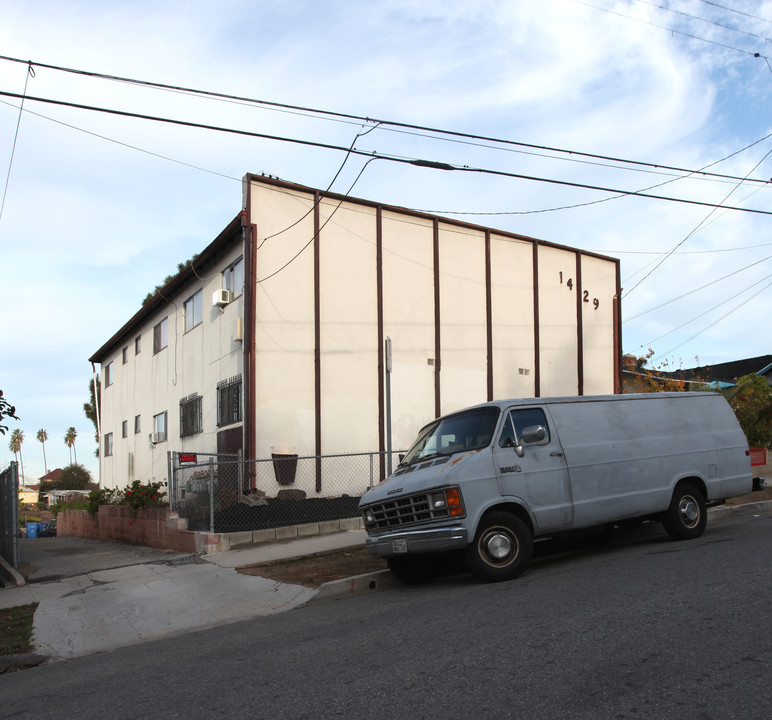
{"points": [[470, 430]]}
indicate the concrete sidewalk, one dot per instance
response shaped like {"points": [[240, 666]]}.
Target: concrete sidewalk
{"points": [[171, 594], [163, 596]]}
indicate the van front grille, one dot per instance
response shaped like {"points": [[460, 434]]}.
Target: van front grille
{"points": [[402, 512]]}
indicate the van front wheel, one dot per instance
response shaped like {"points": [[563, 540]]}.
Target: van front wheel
{"points": [[502, 548], [686, 517]]}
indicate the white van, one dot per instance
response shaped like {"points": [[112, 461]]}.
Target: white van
{"points": [[490, 479]]}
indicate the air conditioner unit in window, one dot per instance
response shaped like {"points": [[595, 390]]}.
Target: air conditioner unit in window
{"points": [[157, 437], [221, 298]]}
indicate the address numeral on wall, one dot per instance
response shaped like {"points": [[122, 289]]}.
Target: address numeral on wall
{"points": [[585, 294]]}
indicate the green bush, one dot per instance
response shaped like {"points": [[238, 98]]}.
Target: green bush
{"points": [[136, 496]]}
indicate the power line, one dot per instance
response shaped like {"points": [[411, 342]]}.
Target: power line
{"points": [[705, 20], [739, 12], [364, 119], [702, 314], [716, 322], [672, 30], [698, 226], [392, 158], [691, 292]]}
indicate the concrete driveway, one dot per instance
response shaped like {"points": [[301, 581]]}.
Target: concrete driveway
{"points": [[54, 558]]}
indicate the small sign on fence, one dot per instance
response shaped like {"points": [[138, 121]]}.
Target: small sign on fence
{"points": [[188, 457]]}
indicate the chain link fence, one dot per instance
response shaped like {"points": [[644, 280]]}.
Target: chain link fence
{"points": [[224, 493], [9, 516]]}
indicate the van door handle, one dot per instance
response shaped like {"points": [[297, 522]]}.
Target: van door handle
{"points": [[556, 453]]}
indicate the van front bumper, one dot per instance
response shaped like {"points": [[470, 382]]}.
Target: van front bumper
{"points": [[426, 540]]}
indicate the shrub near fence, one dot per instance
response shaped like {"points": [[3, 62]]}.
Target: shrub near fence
{"points": [[226, 494]]}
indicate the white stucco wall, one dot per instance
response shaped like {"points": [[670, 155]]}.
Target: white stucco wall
{"points": [[285, 399], [149, 384]]}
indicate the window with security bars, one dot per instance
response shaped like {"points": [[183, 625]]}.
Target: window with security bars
{"points": [[229, 401], [190, 415]]}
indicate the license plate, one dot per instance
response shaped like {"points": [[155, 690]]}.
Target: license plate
{"points": [[399, 545]]}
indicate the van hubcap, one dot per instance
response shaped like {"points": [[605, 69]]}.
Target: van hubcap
{"points": [[689, 511], [498, 546]]}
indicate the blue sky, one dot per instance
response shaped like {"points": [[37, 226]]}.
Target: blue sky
{"points": [[99, 209]]}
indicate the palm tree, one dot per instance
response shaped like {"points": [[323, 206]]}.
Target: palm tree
{"points": [[42, 437], [69, 441], [17, 438]]}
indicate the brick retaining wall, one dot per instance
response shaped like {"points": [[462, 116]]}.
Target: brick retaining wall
{"points": [[154, 527]]}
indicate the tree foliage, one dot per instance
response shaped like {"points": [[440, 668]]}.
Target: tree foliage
{"points": [[169, 278], [6, 411], [90, 408], [72, 477], [751, 400]]}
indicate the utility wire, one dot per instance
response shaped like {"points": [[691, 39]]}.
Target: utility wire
{"points": [[699, 225], [716, 322], [322, 226], [364, 119], [739, 12], [705, 20], [675, 32], [702, 314], [392, 158], [691, 292], [30, 73]]}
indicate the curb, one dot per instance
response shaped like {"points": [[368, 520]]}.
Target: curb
{"points": [[10, 663], [357, 585], [730, 512], [384, 580], [16, 577]]}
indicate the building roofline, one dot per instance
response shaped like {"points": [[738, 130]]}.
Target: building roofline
{"points": [[423, 215], [209, 254]]}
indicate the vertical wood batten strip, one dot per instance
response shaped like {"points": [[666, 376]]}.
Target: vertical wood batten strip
{"points": [[579, 328], [317, 343], [488, 315], [536, 339], [437, 318], [381, 340]]}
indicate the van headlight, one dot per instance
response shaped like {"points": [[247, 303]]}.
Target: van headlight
{"points": [[368, 516], [438, 501]]}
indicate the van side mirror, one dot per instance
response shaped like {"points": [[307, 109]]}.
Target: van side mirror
{"points": [[531, 434]]}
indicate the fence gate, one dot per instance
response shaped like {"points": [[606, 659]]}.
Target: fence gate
{"points": [[9, 516]]}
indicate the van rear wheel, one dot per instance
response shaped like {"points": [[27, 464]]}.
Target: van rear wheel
{"points": [[686, 517], [502, 547]]}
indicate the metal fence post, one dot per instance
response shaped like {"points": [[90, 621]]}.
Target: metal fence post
{"points": [[211, 495], [172, 471]]}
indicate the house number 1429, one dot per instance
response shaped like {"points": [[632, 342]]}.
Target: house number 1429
{"points": [[585, 293]]}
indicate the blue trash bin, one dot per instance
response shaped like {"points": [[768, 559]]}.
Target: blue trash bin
{"points": [[42, 529], [32, 530]]}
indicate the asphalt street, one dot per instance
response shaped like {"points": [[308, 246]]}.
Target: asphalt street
{"points": [[640, 628]]}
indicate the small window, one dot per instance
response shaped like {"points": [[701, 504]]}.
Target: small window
{"points": [[233, 277], [125, 355], [161, 335], [194, 310], [108, 444], [159, 427], [137, 424], [108, 374], [125, 428], [138, 345], [229, 401], [190, 415]]}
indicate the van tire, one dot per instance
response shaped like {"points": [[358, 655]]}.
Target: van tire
{"points": [[687, 516], [502, 547]]}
